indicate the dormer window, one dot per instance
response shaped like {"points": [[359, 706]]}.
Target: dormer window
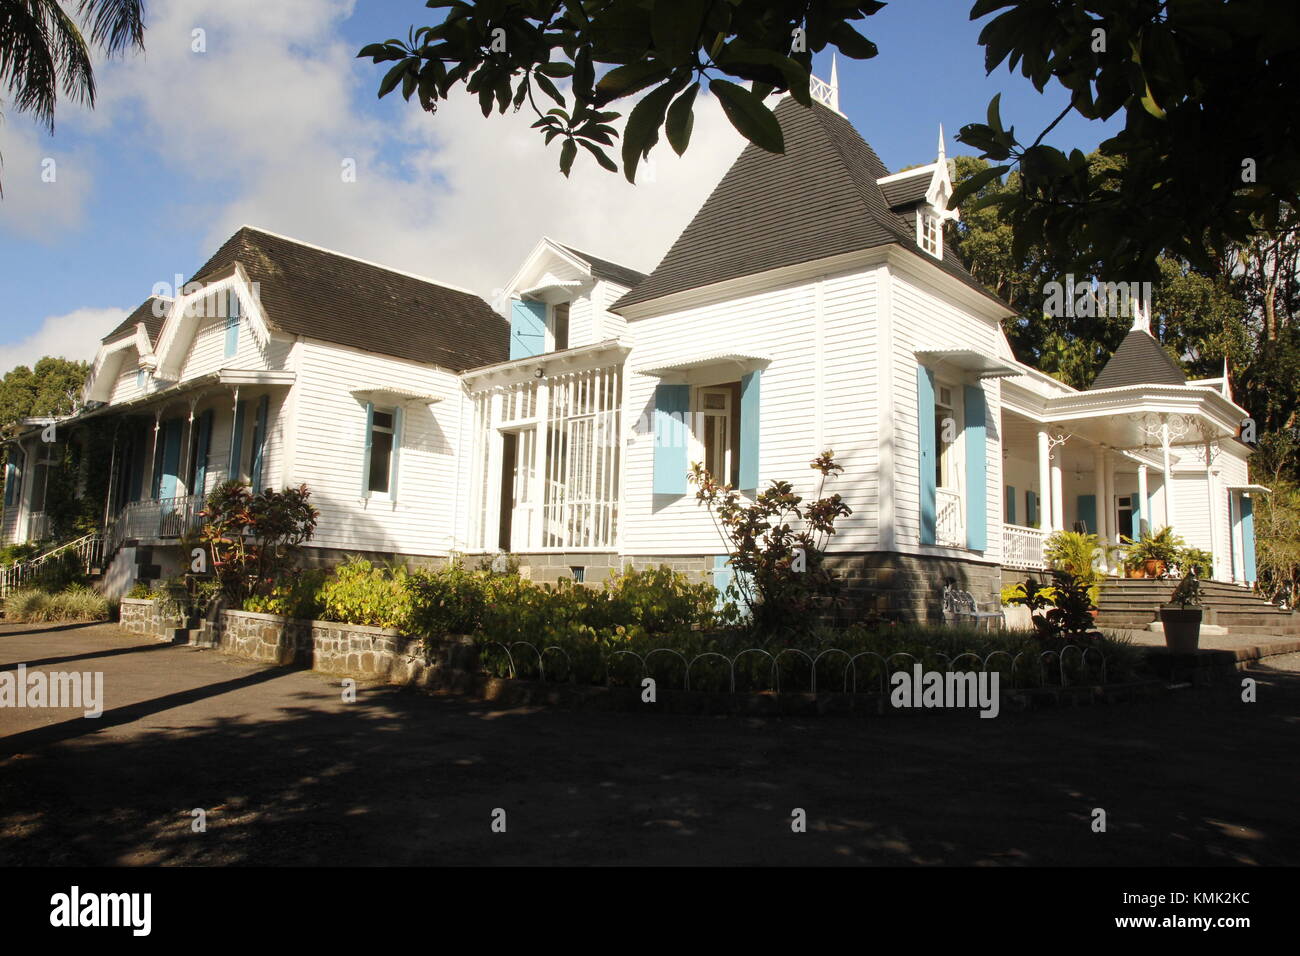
{"points": [[929, 232]]}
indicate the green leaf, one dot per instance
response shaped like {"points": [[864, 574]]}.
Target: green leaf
{"points": [[752, 119], [599, 153], [852, 43], [567, 152], [642, 129], [391, 79], [681, 119], [675, 28], [974, 184], [548, 87], [626, 80]]}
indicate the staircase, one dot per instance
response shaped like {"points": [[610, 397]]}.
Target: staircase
{"points": [[1133, 603], [89, 550]]}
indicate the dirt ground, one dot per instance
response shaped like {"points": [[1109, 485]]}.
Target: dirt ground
{"points": [[289, 773]]}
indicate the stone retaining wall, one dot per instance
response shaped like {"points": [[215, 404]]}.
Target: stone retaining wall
{"points": [[144, 617]]}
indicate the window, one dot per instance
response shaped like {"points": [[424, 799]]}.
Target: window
{"points": [[717, 429], [560, 326], [929, 233], [381, 451], [945, 438]]}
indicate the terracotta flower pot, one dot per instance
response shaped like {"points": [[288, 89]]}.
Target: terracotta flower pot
{"points": [[1153, 567], [1136, 573], [1182, 628]]}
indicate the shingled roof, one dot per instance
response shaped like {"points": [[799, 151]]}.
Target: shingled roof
{"points": [[909, 191], [612, 271], [146, 313], [820, 198], [1139, 360], [325, 295]]}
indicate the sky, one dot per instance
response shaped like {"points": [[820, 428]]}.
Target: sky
{"points": [[185, 145]]}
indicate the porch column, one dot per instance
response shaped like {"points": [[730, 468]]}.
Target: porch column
{"points": [[1144, 499], [1169, 475], [1107, 507], [1212, 513], [1044, 480], [1058, 496]]}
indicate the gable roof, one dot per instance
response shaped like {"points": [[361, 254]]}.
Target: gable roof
{"points": [[909, 191], [146, 313], [820, 198], [611, 271], [313, 292], [1139, 360]]}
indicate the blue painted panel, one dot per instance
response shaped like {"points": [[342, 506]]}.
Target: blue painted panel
{"points": [[926, 436], [977, 463], [232, 324], [1011, 505], [1031, 509], [527, 329], [749, 441], [233, 470], [1088, 512], [169, 460], [672, 406], [365, 459], [1248, 539], [201, 454], [259, 444]]}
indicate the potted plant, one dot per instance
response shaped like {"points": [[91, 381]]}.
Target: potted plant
{"points": [[1154, 551], [1181, 617]]}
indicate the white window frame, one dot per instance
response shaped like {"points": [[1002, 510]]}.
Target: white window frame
{"points": [[391, 412], [929, 232], [699, 452]]}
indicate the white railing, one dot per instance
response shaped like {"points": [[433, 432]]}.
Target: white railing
{"points": [[1023, 548], [949, 521], [89, 549], [165, 518]]}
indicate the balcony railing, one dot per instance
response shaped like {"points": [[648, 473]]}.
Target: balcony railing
{"points": [[164, 518], [1023, 548], [950, 523]]}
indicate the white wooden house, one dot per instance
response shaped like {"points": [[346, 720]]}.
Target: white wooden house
{"points": [[810, 304]]}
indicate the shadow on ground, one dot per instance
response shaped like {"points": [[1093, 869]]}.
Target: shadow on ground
{"points": [[290, 774]]}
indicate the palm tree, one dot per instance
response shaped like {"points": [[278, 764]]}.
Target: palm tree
{"points": [[43, 46]]}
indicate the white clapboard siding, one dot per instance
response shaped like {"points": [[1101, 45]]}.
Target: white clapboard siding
{"points": [[207, 351], [926, 319], [124, 387], [330, 449], [781, 324]]}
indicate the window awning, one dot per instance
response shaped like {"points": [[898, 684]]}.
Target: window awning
{"points": [[984, 366], [737, 361], [1261, 489], [380, 394]]}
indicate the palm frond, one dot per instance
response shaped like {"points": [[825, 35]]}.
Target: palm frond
{"points": [[114, 24]]}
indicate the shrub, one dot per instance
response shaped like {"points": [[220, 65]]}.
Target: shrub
{"points": [[254, 538], [448, 600], [18, 553], [77, 603], [778, 570], [660, 600], [300, 595], [140, 591], [361, 593], [57, 573]]}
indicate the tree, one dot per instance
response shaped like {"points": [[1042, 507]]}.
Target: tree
{"points": [[1210, 98], [52, 387], [43, 48], [508, 52]]}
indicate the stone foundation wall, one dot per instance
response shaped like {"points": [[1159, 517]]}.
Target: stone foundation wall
{"points": [[268, 638], [907, 587], [144, 617]]}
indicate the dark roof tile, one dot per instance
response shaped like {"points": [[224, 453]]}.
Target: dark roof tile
{"points": [[611, 271], [1139, 360], [144, 312], [328, 296]]}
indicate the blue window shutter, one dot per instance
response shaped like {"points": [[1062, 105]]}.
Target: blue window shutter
{"points": [[169, 460], [527, 329], [1248, 539], [139, 378], [977, 465], [365, 460], [1137, 516], [925, 430], [672, 406], [236, 444], [721, 579], [232, 324], [1031, 509], [1011, 505], [1088, 512], [395, 460], [749, 431], [11, 479], [259, 443], [201, 454]]}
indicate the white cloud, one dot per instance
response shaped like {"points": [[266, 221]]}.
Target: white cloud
{"points": [[72, 336], [271, 108], [46, 184]]}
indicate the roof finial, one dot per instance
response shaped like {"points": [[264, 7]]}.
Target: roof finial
{"points": [[1141, 315], [835, 83], [943, 151]]}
